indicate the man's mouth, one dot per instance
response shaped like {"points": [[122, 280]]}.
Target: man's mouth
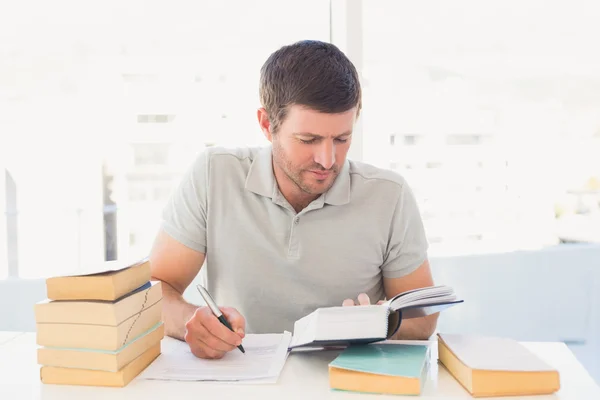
{"points": [[321, 174]]}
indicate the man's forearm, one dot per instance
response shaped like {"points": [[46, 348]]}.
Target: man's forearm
{"points": [[175, 312], [417, 328]]}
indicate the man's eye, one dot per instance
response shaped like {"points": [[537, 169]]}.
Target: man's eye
{"points": [[309, 141], [342, 140]]}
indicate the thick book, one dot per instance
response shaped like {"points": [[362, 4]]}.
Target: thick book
{"points": [[99, 337], [489, 366], [90, 377], [101, 360], [382, 368], [98, 312], [102, 285], [342, 326]]}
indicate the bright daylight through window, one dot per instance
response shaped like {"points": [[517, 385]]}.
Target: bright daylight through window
{"points": [[491, 110], [103, 112]]}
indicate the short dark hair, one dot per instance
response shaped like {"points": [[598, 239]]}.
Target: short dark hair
{"points": [[310, 73]]}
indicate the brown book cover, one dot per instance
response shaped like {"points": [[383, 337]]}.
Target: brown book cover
{"points": [[494, 366], [98, 312], [88, 377], [99, 337], [111, 361], [103, 285]]}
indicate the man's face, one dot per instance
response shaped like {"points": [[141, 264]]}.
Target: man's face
{"points": [[311, 147]]}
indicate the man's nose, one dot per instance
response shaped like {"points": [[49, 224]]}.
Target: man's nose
{"points": [[325, 155]]}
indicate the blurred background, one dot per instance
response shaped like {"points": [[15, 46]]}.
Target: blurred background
{"points": [[490, 109]]}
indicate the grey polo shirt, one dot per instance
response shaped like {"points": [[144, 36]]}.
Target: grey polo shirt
{"points": [[275, 265]]}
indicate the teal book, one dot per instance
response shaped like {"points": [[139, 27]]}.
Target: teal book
{"points": [[386, 368]]}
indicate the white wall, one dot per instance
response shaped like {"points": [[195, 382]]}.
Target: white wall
{"points": [[549, 295]]}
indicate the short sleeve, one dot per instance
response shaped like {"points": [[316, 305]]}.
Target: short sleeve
{"points": [[407, 243], [184, 216]]}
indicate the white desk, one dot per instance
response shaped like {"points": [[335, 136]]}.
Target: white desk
{"points": [[304, 377], [6, 336]]}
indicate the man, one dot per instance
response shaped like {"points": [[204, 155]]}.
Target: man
{"points": [[293, 226]]}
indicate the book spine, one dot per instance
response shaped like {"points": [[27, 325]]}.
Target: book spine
{"points": [[394, 321]]}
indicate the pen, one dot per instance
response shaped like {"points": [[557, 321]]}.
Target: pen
{"points": [[215, 309]]}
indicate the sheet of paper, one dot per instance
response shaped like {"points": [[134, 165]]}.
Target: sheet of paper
{"points": [[262, 363]]}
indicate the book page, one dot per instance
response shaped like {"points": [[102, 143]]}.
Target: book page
{"points": [[493, 353], [305, 330], [364, 322], [423, 296], [263, 361], [337, 324]]}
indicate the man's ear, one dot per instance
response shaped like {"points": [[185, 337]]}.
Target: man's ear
{"points": [[265, 124]]}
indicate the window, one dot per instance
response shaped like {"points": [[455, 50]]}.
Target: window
{"points": [[98, 126], [150, 154], [3, 226], [453, 139], [409, 140], [155, 118], [497, 132], [503, 124]]}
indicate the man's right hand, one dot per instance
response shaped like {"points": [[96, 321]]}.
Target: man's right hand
{"points": [[208, 337]]}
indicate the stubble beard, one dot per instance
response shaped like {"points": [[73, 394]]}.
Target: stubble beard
{"points": [[295, 174]]}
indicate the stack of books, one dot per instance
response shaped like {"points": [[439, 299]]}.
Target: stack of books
{"points": [[383, 368], [99, 329]]}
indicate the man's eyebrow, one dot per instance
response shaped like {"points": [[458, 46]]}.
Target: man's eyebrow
{"points": [[308, 134], [315, 136]]}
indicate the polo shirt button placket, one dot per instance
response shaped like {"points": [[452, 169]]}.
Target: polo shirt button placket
{"points": [[293, 248]]}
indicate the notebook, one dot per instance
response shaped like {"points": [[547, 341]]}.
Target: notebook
{"points": [[334, 326], [495, 366], [262, 363], [383, 368]]}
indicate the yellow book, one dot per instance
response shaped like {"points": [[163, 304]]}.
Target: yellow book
{"points": [[98, 312], [99, 337], [88, 377], [386, 368], [100, 360], [103, 285], [493, 366]]}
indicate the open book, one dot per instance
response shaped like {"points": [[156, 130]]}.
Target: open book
{"points": [[338, 326]]}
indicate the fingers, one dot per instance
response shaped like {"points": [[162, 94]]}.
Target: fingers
{"points": [[198, 347], [201, 350], [237, 321], [208, 337], [348, 302], [220, 331], [363, 300]]}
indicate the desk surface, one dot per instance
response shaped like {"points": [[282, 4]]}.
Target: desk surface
{"points": [[304, 377], [7, 336]]}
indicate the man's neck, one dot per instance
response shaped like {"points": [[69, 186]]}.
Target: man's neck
{"points": [[297, 198]]}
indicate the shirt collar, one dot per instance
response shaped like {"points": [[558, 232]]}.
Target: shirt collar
{"points": [[261, 180], [339, 193]]}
